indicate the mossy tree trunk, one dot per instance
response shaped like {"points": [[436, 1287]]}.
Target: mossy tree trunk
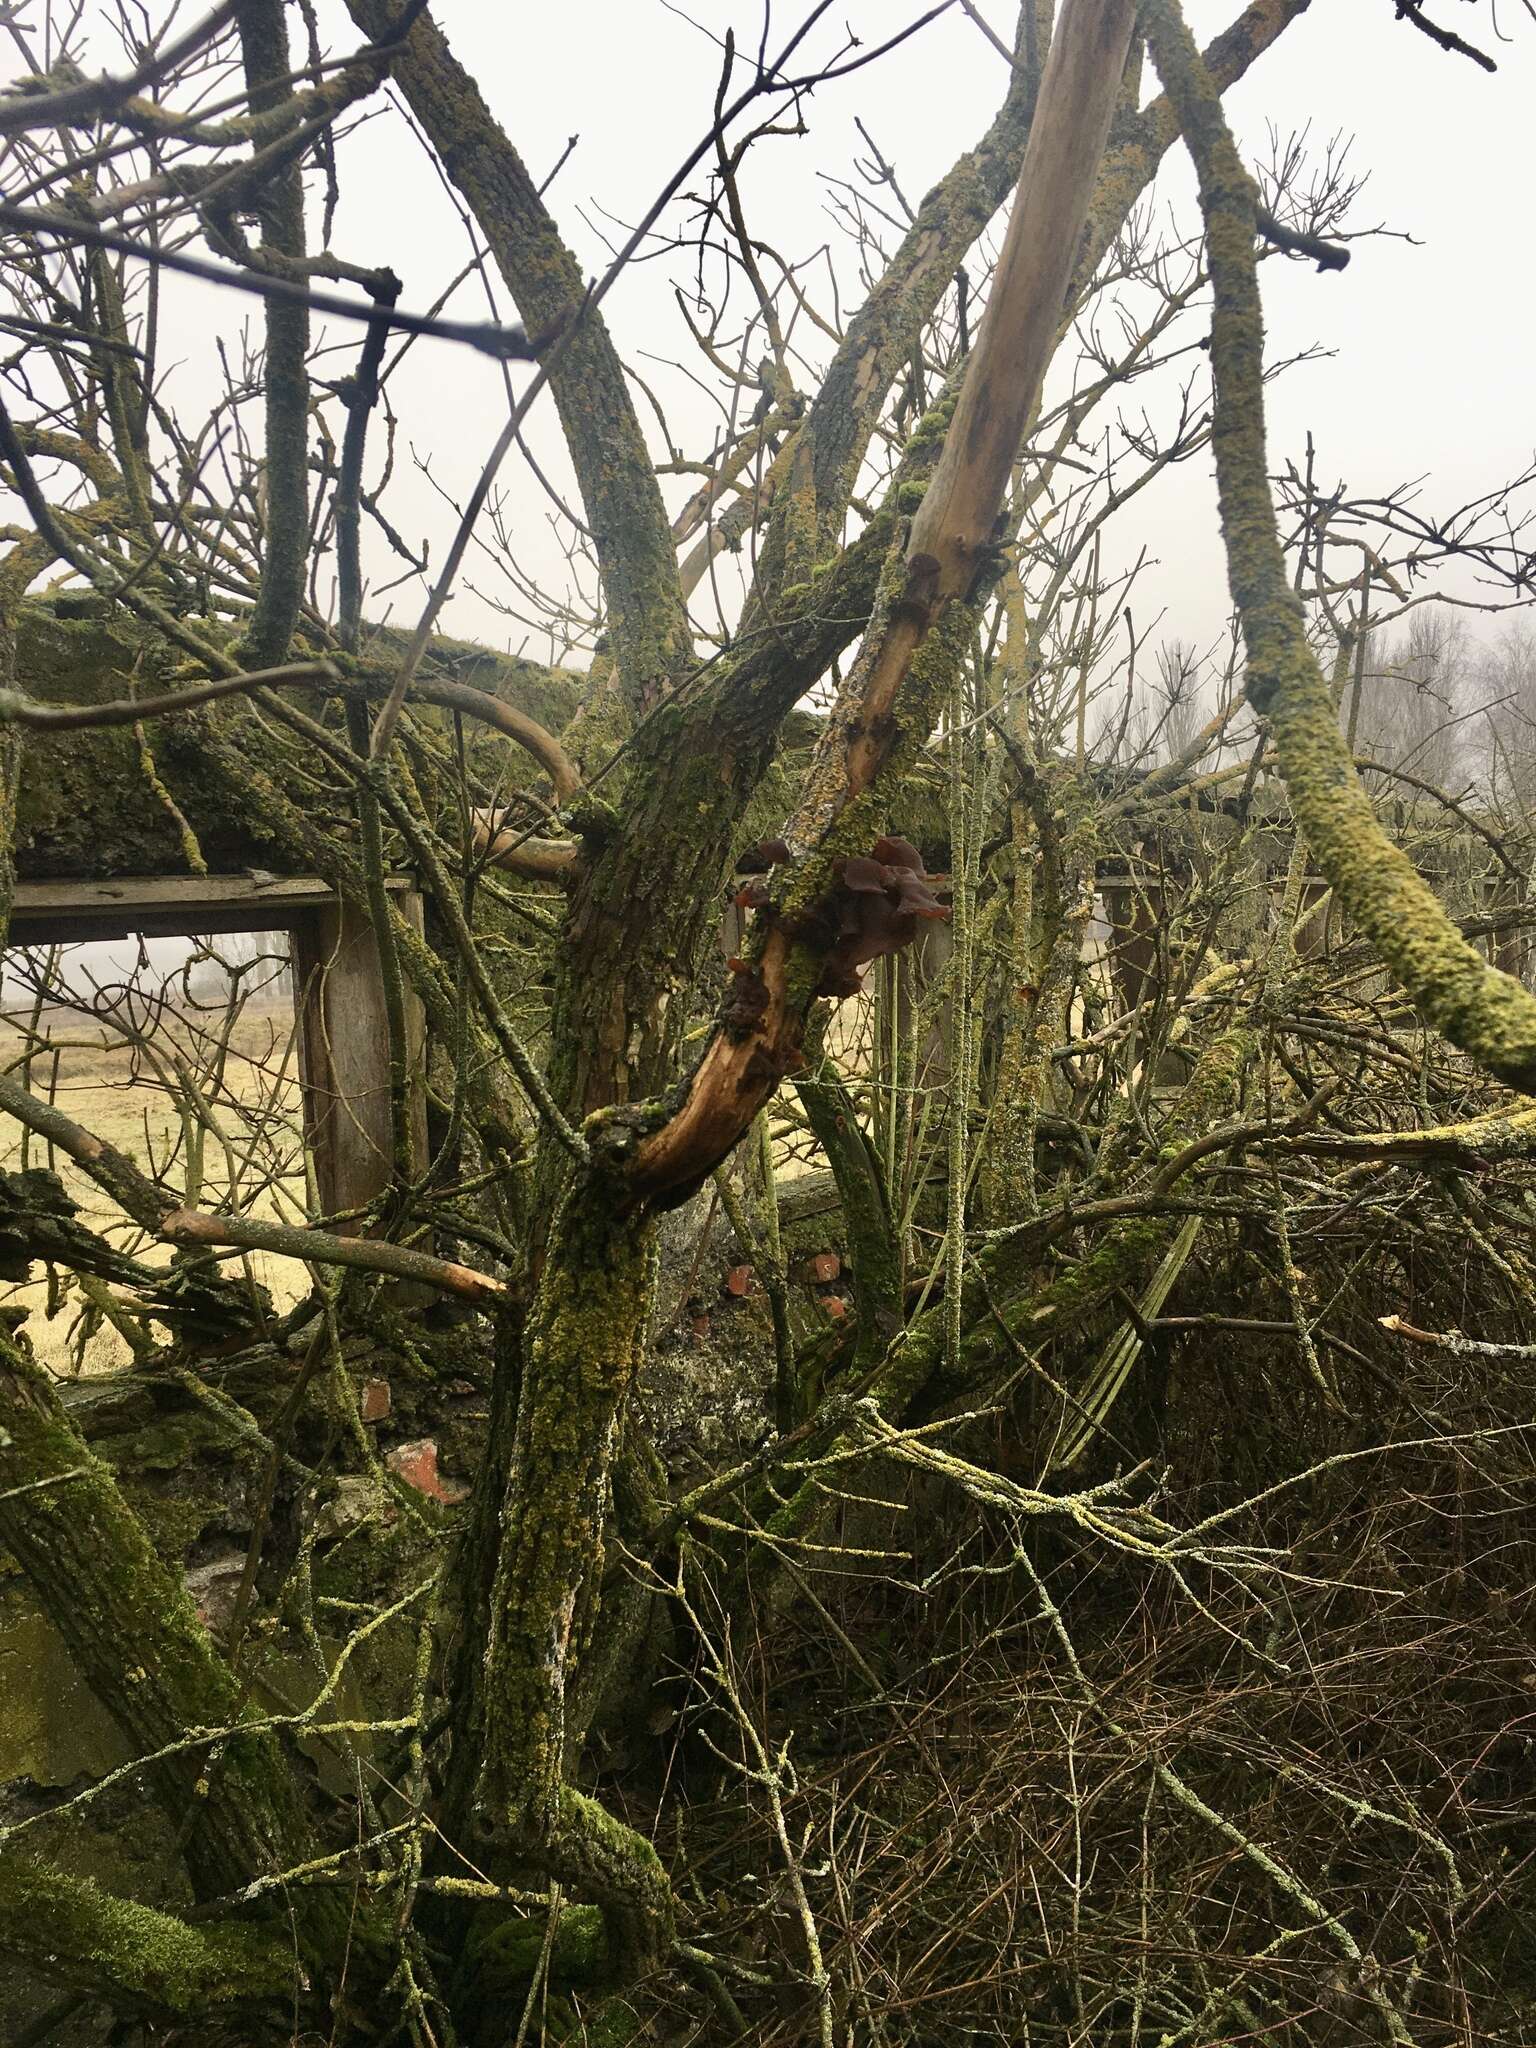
{"points": [[628, 1130], [135, 1634]]}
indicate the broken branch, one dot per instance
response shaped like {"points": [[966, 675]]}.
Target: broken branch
{"points": [[159, 1211], [947, 555]]}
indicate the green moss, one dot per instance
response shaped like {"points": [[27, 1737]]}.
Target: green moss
{"points": [[505, 1955], [1488, 1014], [928, 435], [88, 805], [69, 1929], [133, 1632], [174, 1520], [551, 695], [52, 1729]]}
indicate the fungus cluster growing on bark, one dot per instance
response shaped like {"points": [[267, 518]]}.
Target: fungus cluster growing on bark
{"points": [[874, 907], [881, 899]]}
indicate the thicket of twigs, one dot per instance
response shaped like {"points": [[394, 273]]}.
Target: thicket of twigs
{"points": [[1097, 1606], [1223, 1732]]}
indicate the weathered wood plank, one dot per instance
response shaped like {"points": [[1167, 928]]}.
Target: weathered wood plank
{"points": [[344, 1047], [48, 913]]}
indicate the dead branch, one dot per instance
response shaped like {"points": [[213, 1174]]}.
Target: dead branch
{"points": [[160, 1211]]}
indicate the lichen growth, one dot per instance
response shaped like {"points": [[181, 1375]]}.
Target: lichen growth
{"points": [[1485, 1012], [69, 1929]]}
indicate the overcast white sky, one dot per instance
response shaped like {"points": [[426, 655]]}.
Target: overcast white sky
{"points": [[1432, 370], [1432, 344], [1431, 364]]}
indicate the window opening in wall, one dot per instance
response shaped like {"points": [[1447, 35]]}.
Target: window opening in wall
{"points": [[183, 1053]]}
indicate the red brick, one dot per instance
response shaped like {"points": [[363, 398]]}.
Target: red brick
{"points": [[416, 1464]]}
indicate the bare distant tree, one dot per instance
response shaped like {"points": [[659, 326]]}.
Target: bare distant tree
{"points": [[1414, 696], [1181, 696], [1504, 679]]}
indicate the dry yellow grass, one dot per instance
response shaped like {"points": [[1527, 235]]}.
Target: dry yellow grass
{"points": [[127, 1095]]}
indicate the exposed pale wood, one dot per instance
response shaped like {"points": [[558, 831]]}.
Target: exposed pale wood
{"points": [[541, 860], [952, 532], [1019, 329], [1310, 938]]}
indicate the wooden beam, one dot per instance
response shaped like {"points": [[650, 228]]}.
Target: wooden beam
{"points": [[339, 994], [344, 1049], [62, 913]]}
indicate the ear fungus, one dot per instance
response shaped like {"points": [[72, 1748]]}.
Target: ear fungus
{"points": [[875, 906], [880, 899]]}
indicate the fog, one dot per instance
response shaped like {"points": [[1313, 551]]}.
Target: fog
{"points": [[1427, 335]]}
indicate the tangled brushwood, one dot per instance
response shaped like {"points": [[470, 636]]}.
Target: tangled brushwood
{"points": [[833, 1341]]}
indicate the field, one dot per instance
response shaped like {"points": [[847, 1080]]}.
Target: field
{"points": [[206, 1099]]}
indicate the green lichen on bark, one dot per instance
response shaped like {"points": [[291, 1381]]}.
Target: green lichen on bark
{"points": [[505, 1955], [584, 1340], [86, 806], [830, 443], [1488, 1014], [67, 1929], [1139, 141], [11, 746], [1035, 1313]]}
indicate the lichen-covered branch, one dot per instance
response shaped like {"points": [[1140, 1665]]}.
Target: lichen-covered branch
{"points": [[873, 1244], [137, 1959], [20, 710], [1480, 1009], [1142, 139], [584, 1340], [620, 494], [1060, 903], [1003, 1314]]}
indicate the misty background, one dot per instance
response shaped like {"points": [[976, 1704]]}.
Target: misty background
{"points": [[1415, 359]]}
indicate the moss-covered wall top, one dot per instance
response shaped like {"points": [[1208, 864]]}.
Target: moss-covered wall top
{"points": [[98, 803], [88, 805]]}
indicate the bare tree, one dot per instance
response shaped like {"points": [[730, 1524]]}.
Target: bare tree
{"points": [[990, 1669], [1414, 697], [1505, 677]]}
